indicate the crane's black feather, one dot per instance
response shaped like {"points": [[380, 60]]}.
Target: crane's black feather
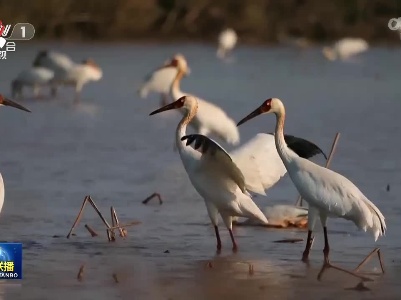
{"points": [[303, 148], [204, 144]]}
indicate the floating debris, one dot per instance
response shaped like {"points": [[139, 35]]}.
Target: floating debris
{"points": [[80, 275], [91, 231], [154, 195], [115, 278], [289, 241]]}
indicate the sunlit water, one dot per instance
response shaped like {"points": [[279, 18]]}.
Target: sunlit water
{"points": [[109, 147]]}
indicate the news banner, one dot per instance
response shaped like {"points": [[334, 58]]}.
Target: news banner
{"points": [[9, 34]]}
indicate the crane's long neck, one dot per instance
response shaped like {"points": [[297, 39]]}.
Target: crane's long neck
{"points": [[175, 90], [182, 128], [281, 145]]}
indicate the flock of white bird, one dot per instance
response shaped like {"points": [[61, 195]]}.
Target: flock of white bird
{"points": [[225, 180], [54, 69]]}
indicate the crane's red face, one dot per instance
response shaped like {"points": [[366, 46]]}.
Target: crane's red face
{"points": [[264, 108], [7, 102], [175, 105], [179, 62]]}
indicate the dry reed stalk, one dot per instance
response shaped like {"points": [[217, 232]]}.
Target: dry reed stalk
{"points": [[78, 216], [154, 195], [80, 275], [91, 231]]}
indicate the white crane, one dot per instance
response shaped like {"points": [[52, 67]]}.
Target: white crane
{"points": [[226, 42], [283, 216], [67, 72], [35, 77], [210, 119], [213, 173], [260, 163], [328, 193], [161, 79], [7, 102], [345, 48]]}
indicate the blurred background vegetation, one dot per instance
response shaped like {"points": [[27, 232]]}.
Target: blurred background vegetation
{"points": [[256, 21]]}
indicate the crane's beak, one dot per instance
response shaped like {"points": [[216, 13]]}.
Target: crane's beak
{"points": [[252, 115], [8, 102], [175, 105]]}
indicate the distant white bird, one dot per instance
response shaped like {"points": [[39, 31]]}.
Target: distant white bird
{"points": [[345, 48], [35, 77], [67, 72], [226, 42], [328, 193], [210, 119], [283, 216], [161, 79], [7, 102], [212, 173]]}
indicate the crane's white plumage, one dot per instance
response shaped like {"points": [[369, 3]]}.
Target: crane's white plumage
{"points": [[210, 119], [226, 42], [212, 172], [333, 195], [345, 48], [55, 61], [160, 80], [34, 77], [259, 162], [327, 192], [67, 72]]}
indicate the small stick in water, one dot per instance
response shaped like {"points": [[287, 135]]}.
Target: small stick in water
{"points": [[81, 273], [115, 221], [368, 257], [125, 225], [154, 195], [333, 149], [125, 232], [115, 278], [98, 212], [78, 216], [91, 231], [251, 270], [289, 241]]}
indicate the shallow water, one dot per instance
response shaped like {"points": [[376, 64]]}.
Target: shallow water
{"points": [[110, 148]]}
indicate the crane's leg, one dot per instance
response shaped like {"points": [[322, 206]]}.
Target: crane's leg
{"points": [[313, 214], [53, 90], [78, 89], [235, 247], [214, 218], [216, 230], [229, 224], [327, 264], [309, 241]]}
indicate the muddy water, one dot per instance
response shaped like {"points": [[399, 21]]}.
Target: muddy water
{"points": [[109, 147]]}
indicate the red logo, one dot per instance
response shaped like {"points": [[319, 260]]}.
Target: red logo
{"points": [[2, 28]]}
